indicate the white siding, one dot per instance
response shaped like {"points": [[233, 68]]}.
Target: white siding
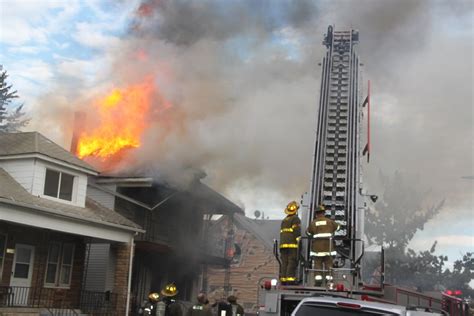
{"points": [[101, 197], [80, 182], [22, 170], [96, 271], [38, 178], [31, 217], [100, 270], [109, 285]]}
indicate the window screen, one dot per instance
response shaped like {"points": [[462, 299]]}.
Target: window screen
{"points": [[58, 184], [59, 268], [51, 183], [65, 191]]}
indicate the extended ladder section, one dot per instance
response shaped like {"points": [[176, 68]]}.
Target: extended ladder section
{"points": [[335, 179]]}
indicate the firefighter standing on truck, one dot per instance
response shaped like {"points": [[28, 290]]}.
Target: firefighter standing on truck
{"points": [[290, 234], [322, 229]]}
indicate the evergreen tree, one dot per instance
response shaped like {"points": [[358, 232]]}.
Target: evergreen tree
{"points": [[10, 121], [15, 120]]}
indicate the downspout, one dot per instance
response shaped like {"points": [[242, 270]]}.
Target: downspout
{"points": [[130, 265]]}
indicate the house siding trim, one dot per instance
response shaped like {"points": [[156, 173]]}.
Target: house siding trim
{"points": [[18, 213], [52, 160]]}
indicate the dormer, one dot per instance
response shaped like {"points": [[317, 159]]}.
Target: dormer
{"points": [[44, 168]]}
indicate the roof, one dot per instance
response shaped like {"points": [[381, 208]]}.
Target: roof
{"points": [[206, 196], [264, 229], [216, 201], [13, 144], [11, 192]]}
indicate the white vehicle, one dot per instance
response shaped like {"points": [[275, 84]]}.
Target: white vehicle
{"points": [[339, 306]]}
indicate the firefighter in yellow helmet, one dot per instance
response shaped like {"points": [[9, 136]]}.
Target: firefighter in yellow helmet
{"points": [[322, 230], [290, 234], [172, 306]]}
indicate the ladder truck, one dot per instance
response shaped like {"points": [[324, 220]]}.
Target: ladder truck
{"points": [[336, 183]]}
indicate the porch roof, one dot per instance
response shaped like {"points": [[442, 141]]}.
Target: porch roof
{"points": [[13, 194]]}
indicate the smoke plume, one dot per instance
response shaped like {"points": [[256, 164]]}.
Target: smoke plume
{"points": [[243, 81]]}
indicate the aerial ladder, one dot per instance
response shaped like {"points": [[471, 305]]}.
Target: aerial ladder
{"points": [[336, 183], [335, 179]]}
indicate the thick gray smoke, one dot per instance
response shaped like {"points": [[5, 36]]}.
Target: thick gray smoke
{"points": [[243, 78]]}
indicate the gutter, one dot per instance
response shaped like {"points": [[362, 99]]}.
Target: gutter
{"points": [[63, 163], [130, 266], [78, 218]]}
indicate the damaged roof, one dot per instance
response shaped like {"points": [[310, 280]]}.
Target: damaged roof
{"points": [[214, 199], [264, 229], [205, 195], [15, 144], [11, 192]]}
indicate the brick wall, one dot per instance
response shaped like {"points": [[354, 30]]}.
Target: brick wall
{"points": [[40, 239], [122, 252], [256, 261]]}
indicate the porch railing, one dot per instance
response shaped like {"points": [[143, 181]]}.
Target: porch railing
{"points": [[59, 301]]}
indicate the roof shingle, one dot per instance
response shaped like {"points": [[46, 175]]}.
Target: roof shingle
{"points": [[12, 191], [35, 143]]}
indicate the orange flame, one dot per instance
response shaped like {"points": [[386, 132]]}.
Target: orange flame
{"points": [[122, 119]]}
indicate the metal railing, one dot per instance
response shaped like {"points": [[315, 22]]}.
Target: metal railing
{"points": [[98, 303], [59, 301]]}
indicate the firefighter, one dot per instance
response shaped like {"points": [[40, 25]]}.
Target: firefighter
{"points": [[237, 309], [172, 307], [149, 306], [201, 308], [322, 248], [290, 233], [223, 307]]}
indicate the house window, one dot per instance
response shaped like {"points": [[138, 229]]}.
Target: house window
{"points": [[58, 184], [59, 267], [3, 244]]}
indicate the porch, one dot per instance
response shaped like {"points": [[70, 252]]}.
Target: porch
{"points": [[19, 300]]}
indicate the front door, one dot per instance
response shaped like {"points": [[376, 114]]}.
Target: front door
{"points": [[22, 273]]}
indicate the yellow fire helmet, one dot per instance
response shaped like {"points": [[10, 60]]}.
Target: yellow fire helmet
{"points": [[320, 208], [292, 208], [154, 297], [169, 290]]}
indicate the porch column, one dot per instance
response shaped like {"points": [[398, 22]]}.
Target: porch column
{"points": [[122, 266]]}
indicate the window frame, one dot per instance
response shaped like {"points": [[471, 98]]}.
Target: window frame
{"points": [[58, 191], [60, 263], [2, 253]]}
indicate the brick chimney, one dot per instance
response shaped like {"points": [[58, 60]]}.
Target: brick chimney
{"points": [[79, 122]]}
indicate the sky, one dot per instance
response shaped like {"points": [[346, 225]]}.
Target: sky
{"points": [[243, 80]]}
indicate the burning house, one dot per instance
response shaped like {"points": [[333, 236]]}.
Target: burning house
{"points": [[172, 213], [71, 239], [175, 247]]}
